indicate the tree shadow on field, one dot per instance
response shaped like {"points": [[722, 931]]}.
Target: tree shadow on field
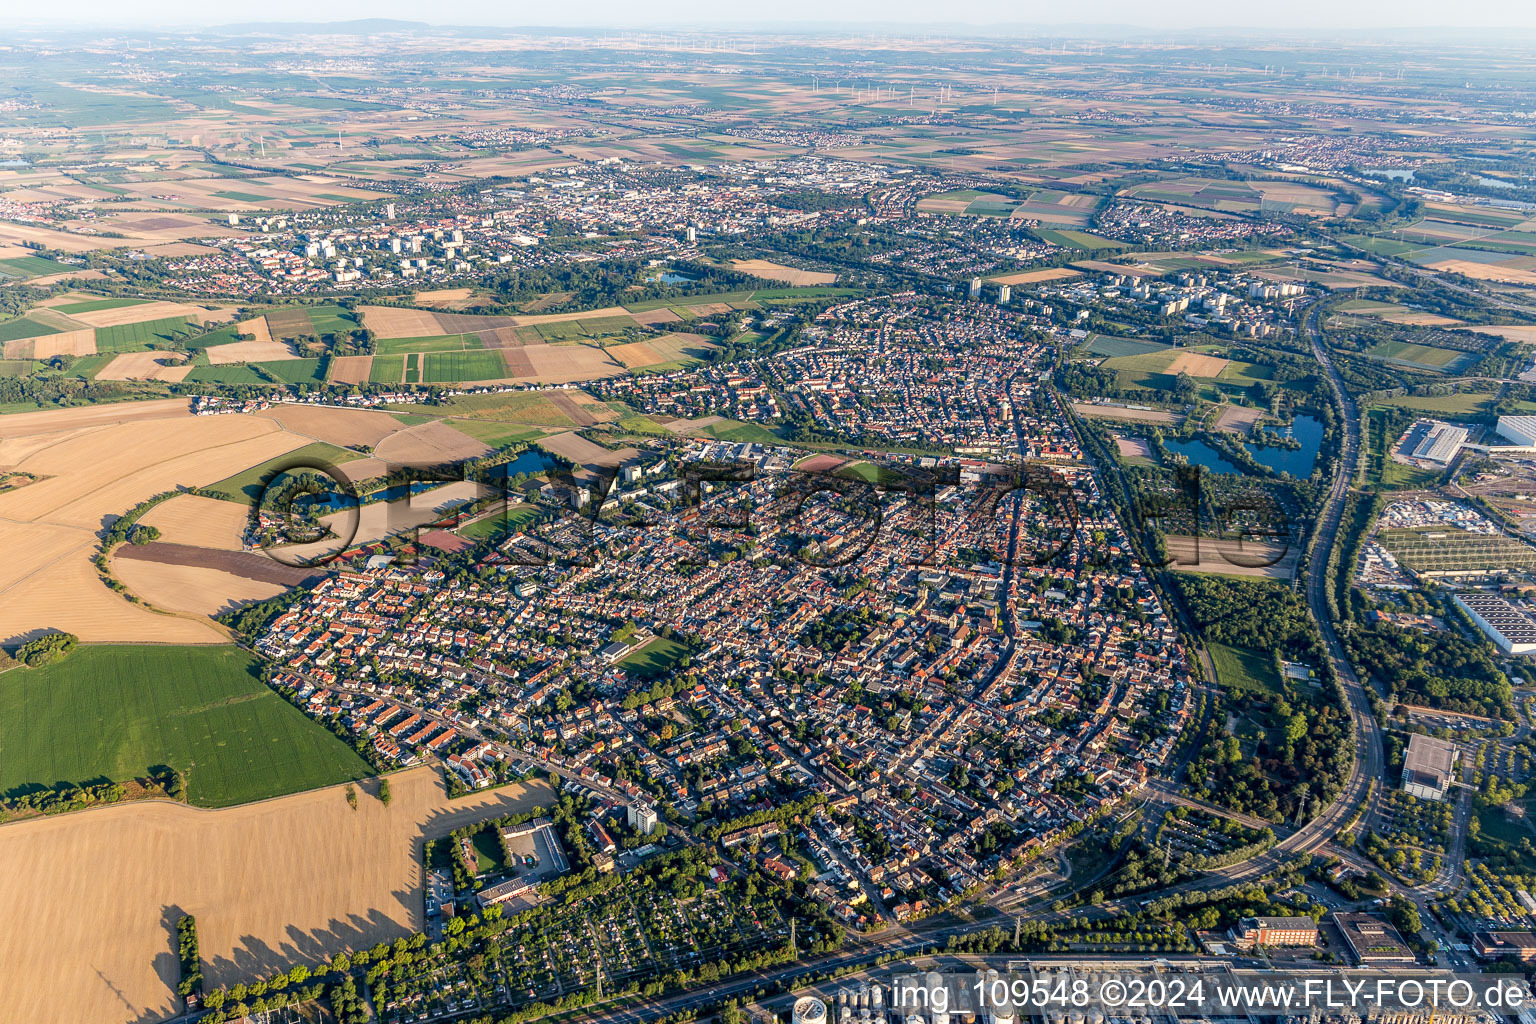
{"points": [[255, 960]]}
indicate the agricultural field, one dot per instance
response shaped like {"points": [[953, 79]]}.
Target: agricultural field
{"points": [[1239, 196], [129, 453], [115, 712], [272, 884], [135, 337]]}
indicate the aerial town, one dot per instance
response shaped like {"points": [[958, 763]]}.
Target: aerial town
{"points": [[507, 525]]}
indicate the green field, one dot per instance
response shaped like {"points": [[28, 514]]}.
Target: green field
{"points": [[295, 371], [489, 855], [1078, 239], [95, 304], [1244, 673], [774, 295], [227, 373], [1472, 404], [1103, 345], [25, 327], [447, 367], [32, 266], [484, 529], [496, 433], [18, 367], [138, 337], [245, 486], [655, 658], [115, 712], [742, 433], [439, 343], [1423, 356], [386, 370], [333, 319]]}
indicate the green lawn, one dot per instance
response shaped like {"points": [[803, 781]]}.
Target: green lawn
{"points": [[655, 658], [1244, 673], [488, 852], [115, 712]]}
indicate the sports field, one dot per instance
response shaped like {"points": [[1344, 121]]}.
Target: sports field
{"points": [[654, 658], [115, 711], [1425, 356]]}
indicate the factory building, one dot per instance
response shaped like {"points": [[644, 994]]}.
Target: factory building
{"points": [[1511, 630]]}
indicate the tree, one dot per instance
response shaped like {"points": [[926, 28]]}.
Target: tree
{"points": [[351, 797], [384, 796]]}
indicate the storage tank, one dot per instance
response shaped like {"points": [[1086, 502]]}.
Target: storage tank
{"points": [[809, 1010]]}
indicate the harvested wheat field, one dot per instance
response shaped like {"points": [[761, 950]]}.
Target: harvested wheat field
{"points": [[388, 322], [563, 364], [571, 445], [205, 522], [660, 315], [779, 272], [139, 314], [68, 343], [348, 428], [1036, 276], [351, 369], [271, 884], [428, 444], [446, 298], [90, 471], [635, 354], [167, 366], [531, 320], [250, 352], [1524, 333], [194, 589], [1486, 271], [49, 421], [1197, 364]]}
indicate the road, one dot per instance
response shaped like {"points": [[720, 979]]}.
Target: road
{"points": [[1370, 759]]}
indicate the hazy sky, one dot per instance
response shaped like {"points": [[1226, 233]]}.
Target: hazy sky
{"points": [[1301, 15]]}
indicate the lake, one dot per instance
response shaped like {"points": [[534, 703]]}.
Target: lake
{"points": [[1298, 461], [1201, 454]]}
